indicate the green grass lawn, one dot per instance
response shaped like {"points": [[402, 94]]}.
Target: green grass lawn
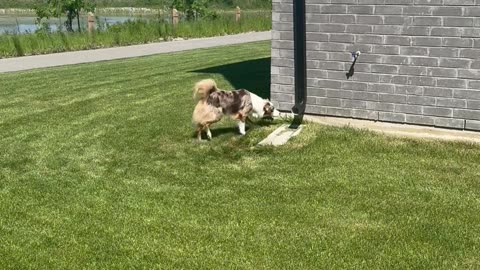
{"points": [[99, 169]]}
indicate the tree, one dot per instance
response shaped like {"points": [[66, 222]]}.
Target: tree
{"points": [[194, 8], [70, 8]]}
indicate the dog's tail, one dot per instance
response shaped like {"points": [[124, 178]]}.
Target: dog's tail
{"points": [[203, 89]]}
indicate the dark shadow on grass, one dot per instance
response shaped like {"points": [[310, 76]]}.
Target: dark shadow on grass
{"points": [[218, 132], [233, 130], [253, 75], [221, 131]]}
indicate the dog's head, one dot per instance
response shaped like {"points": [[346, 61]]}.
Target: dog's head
{"points": [[269, 110]]}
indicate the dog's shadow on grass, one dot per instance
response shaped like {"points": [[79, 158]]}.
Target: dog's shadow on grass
{"points": [[233, 130], [220, 132], [253, 75]]}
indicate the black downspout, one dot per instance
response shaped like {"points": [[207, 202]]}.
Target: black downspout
{"points": [[300, 61]]}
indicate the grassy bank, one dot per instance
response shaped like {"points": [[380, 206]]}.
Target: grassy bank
{"points": [[133, 32], [100, 170], [246, 4], [129, 11]]}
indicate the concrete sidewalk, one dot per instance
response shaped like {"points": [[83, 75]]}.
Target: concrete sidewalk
{"points": [[79, 57]]}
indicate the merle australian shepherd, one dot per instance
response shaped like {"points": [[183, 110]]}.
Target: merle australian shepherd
{"points": [[213, 104]]}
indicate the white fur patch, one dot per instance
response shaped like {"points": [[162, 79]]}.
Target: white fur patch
{"points": [[241, 127]]}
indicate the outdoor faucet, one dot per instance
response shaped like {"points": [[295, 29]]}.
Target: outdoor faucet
{"points": [[351, 71]]}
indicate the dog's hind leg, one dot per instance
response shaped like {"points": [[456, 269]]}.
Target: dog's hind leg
{"points": [[209, 133], [198, 131]]}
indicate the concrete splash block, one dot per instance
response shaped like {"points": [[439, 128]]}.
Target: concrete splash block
{"points": [[281, 136]]}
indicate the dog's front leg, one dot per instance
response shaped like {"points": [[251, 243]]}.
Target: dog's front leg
{"points": [[241, 127]]}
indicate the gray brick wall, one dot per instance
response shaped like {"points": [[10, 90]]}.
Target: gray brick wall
{"points": [[420, 61]]}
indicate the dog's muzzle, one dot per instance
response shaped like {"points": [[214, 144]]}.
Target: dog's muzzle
{"points": [[275, 113], [271, 115]]}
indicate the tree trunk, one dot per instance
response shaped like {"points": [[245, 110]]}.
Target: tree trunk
{"points": [[78, 21], [69, 22]]}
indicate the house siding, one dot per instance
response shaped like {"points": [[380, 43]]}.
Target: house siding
{"points": [[420, 61]]}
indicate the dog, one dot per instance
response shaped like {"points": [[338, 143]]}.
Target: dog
{"points": [[214, 103]]}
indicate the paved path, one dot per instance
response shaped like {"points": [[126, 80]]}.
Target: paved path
{"points": [[78, 57]]}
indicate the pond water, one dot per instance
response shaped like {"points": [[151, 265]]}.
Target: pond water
{"points": [[26, 24]]}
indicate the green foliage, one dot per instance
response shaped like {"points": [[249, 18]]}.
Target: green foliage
{"points": [[194, 9], [65, 41], [17, 45], [57, 8], [18, 3]]}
